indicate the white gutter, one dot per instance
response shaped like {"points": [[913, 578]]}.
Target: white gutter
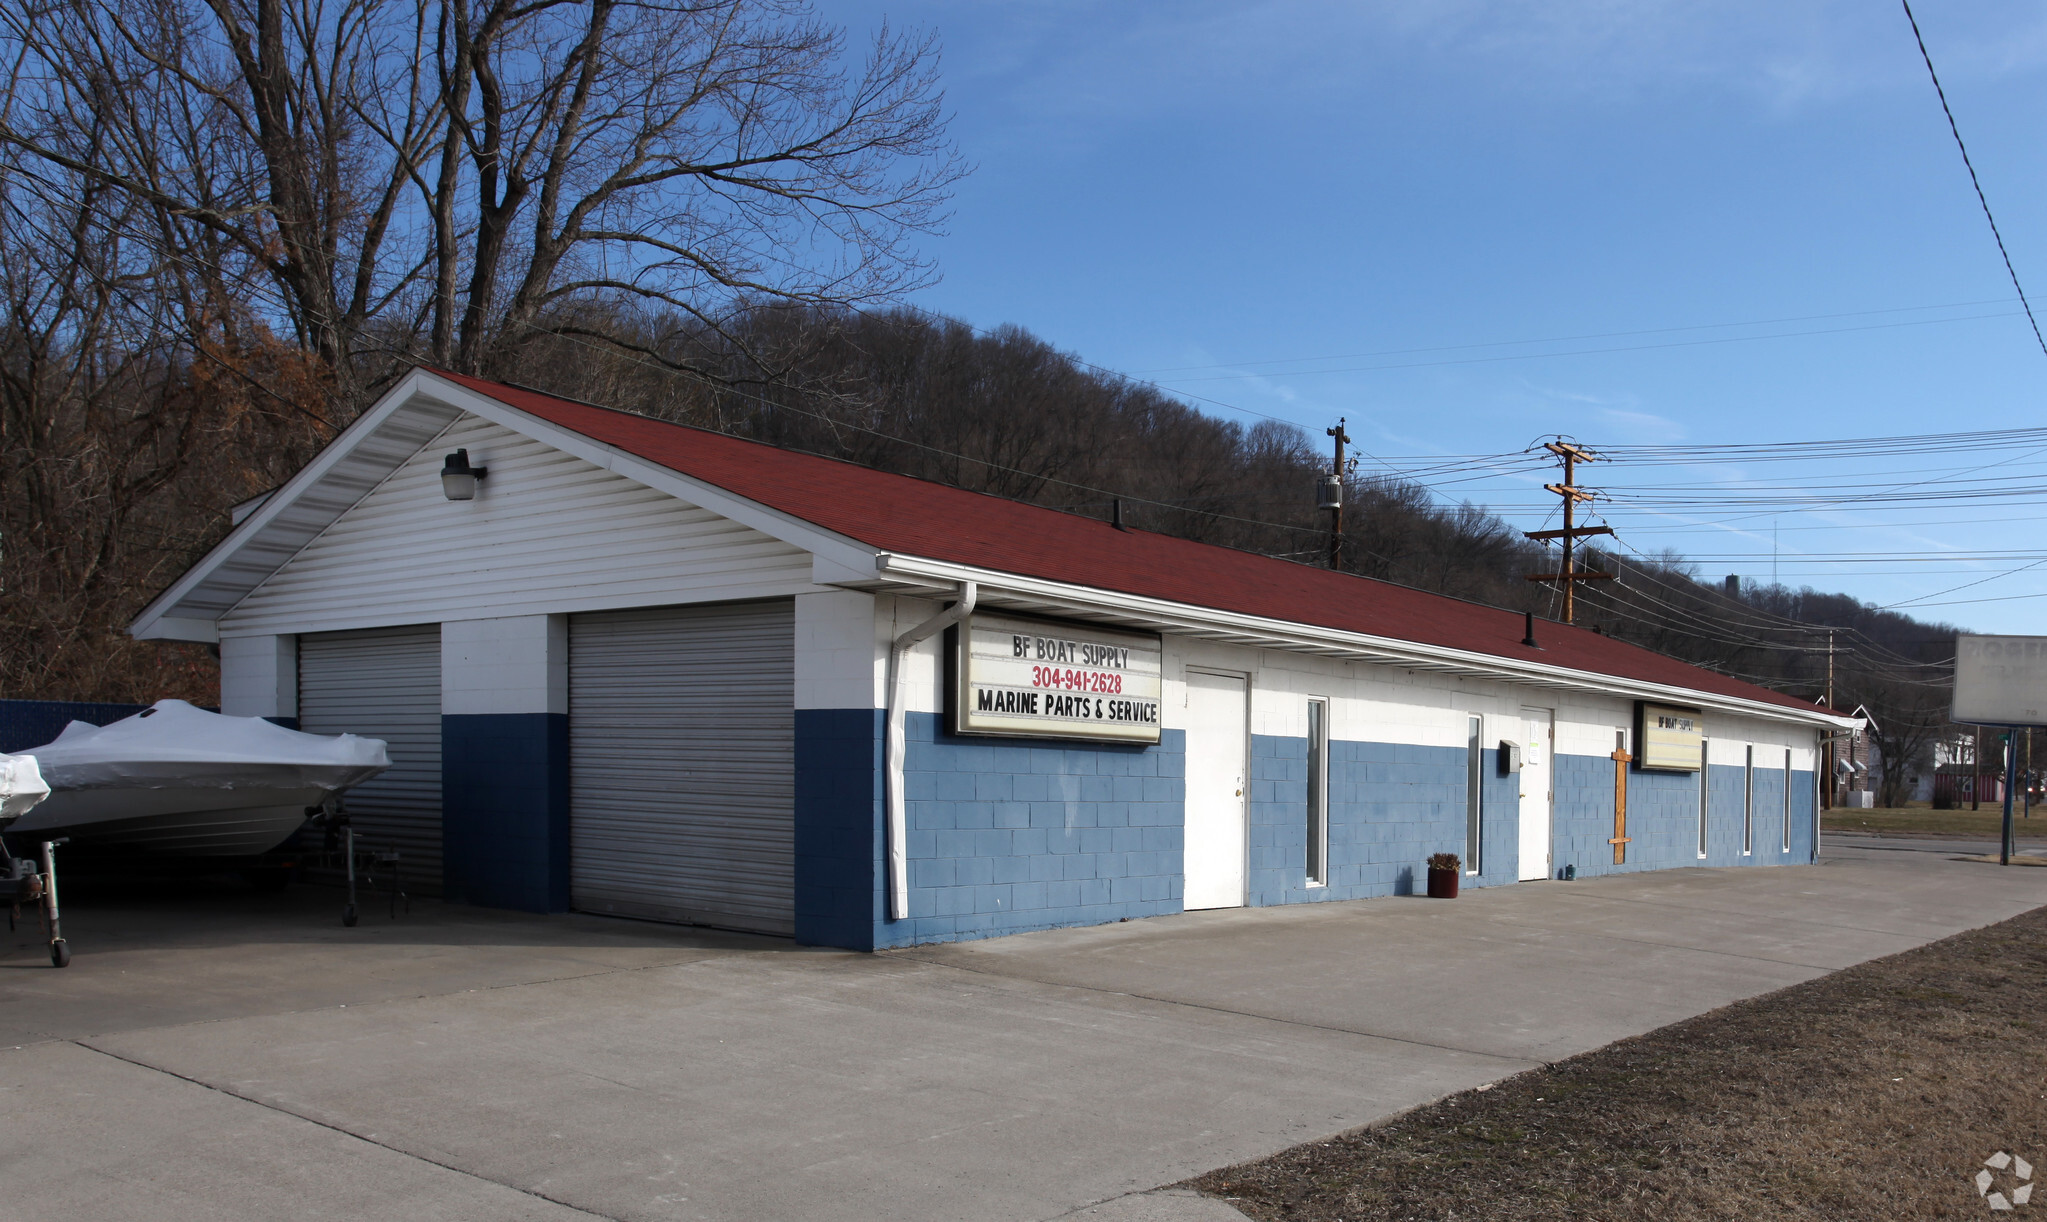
{"points": [[1158, 613], [897, 820]]}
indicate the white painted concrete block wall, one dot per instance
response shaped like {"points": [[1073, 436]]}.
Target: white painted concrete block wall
{"points": [[923, 670], [508, 664], [259, 676], [840, 651], [1369, 702]]}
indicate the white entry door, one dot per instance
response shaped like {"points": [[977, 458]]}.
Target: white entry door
{"points": [[1536, 787], [1218, 772]]}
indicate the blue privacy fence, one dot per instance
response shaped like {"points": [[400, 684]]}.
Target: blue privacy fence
{"points": [[31, 723]]}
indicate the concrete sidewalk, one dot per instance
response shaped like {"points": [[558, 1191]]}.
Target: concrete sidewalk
{"points": [[237, 1057]]}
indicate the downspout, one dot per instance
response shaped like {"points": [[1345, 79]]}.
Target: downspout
{"points": [[897, 822]]}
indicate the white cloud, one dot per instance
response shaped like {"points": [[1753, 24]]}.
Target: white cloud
{"points": [[1111, 63]]}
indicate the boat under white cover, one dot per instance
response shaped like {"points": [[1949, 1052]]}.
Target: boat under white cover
{"points": [[21, 787], [179, 780]]}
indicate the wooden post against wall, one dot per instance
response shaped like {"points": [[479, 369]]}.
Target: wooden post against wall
{"points": [[1621, 759]]}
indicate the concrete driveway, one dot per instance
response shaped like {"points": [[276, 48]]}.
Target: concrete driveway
{"points": [[235, 1055]]}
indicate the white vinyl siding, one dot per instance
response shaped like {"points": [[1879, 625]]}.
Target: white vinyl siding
{"points": [[385, 683], [548, 533], [682, 764]]}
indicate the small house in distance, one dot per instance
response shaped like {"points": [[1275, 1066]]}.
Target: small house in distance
{"points": [[630, 667]]}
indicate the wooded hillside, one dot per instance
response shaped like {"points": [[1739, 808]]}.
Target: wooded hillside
{"points": [[226, 226]]}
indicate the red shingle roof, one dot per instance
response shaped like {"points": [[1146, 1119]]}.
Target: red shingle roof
{"points": [[914, 517]]}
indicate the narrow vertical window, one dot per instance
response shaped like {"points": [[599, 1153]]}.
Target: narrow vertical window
{"points": [[1474, 791], [1748, 804], [1705, 789], [1787, 799], [1318, 793]]}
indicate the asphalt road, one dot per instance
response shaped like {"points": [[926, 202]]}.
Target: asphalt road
{"points": [[230, 1055]]}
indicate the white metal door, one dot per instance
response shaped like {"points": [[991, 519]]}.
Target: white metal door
{"points": [[385, 683], [1218, 748], [1538, 735], [682, 764]]}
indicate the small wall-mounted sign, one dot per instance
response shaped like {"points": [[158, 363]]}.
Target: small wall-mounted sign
{"points": [[1032, 678], [1670, 737]]}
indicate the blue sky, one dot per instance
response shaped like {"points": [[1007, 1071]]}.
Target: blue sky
{"points": [[1313, 210]]}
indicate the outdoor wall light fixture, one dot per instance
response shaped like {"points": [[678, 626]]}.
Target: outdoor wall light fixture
{"points": [[458, 478]]}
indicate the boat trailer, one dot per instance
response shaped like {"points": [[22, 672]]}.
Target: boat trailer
{"points": [[22, 883]]}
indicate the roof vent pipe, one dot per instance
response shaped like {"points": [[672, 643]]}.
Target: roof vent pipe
{"points": [[1116, 513], [1528, 630], [895, 749]]}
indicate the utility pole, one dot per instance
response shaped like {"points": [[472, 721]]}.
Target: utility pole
{"points": [[1830, 791], [1569, 576], [1332, 495]]}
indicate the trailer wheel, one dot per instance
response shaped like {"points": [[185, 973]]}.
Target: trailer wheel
{"points": [[348, 916], [60, 953]]}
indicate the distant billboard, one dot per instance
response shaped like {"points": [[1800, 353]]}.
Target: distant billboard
{"points": [[2001, 680], [1669, 737]]}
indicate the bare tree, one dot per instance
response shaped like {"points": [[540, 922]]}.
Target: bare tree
{"points": [[371, 175], [120, 437], [1907, 716]]}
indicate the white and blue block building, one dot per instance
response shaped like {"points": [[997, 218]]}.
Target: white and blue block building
{"points": [[646, 670]]}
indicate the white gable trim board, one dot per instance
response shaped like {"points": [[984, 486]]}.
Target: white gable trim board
{"points": [[1002, 835]]}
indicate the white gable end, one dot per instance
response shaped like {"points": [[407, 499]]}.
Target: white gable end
{"points": [[547, 532]]}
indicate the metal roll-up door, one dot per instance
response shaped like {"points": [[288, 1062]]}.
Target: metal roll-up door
{"points": [[385, 683], [682, 764]]}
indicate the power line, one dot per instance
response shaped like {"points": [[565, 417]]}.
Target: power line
{"points": [[1761, 618], [1973, 181], [1966, 585]]}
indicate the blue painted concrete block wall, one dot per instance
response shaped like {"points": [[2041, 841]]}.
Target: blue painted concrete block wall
{"points": [[1663, 814], [1012, 835], [1501, 824], [505, 810], [1390, 807], [1006, 836], [839, 850]]}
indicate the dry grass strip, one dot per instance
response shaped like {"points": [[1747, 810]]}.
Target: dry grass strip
{"points": [[1876, 1092]]}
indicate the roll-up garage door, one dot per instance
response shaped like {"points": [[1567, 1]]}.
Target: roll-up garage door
{"points": [[682, 764], [385, 683]]}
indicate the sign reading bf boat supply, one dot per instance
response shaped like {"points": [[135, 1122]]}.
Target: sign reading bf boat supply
{"points": [[1032, 678], [1669, 738]]}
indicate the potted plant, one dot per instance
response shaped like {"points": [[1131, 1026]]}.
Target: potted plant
{"points": [[1445, 869]]}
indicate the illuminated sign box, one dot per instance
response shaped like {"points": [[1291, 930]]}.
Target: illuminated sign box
{"points": [[1032, 678], [2000, 680], [1669, 737]]}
